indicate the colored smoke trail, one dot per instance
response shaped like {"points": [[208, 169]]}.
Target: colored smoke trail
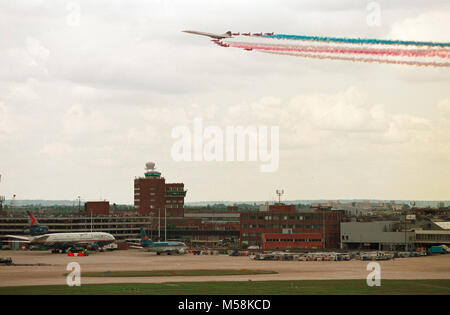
{"points": [[356, 40], [413, 53], [388, 61], [342, 50]]}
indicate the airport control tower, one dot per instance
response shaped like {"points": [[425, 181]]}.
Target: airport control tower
{"points": [[152, 195]]}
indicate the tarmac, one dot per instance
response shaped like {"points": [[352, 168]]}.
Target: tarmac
{"points": [[45, 268]]}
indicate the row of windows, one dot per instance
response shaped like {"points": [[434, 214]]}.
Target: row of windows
{"points": [[251, 235], [294, 240], [258, 235], [432, 237], [281, 226], [282, 217], [174, 206], [174, 201], [168, 206], [170, 188], [174, 188]]}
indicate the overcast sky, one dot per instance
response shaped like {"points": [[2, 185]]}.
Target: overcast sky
{"points": [[91, 90]]}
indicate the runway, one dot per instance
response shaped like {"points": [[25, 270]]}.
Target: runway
{"points": [[44, 268]]}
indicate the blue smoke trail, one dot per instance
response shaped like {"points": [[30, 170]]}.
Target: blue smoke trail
{"points": [[356, 40]]}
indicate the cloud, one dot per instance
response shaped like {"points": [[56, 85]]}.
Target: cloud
{"points": [[11, 124], [347, 117], [4, 126], [444, 107], [425, 26], [107, 92], [56, 150], [35, 49], [79, 120]]}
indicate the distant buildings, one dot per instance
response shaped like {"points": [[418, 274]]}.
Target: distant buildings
{"points": [[96, 208], [359, 207], [159, 208], [394, 235], [279, 219]]}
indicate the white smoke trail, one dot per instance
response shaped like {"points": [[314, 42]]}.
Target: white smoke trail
{"points": [[358, 59]]}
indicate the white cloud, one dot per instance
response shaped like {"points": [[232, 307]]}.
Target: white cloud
{"points": [[426, 26], [56, 150], [444, 107], [80, 120], [36, 49], [4, 126], [108, 92], [11, 125]]}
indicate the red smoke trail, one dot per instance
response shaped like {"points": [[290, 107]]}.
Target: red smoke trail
{"points": [[400, 62], [341, 50], [430, 50]]}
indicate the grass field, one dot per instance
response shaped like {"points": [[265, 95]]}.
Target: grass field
{"points": [[246, 287], [168, 273]]}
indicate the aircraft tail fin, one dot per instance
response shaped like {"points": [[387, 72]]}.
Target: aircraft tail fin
{"points": [[34, 227], [32, 221], [144, 238]]}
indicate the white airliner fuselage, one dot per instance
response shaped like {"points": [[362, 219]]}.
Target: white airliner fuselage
{"points": [[68, 240], [62, 241]]}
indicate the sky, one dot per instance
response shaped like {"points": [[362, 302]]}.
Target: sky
{"points": [[92, 90]]}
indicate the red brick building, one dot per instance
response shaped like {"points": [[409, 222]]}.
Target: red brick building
{"points": [[281, 218], [152, 195], [96, 207], [291, 241]]}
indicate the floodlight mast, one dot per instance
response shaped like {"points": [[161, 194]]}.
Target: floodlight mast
{"points": [[279, 192], [2, 198]]}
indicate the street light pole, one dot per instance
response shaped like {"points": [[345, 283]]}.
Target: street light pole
{"points": [[404, 227], [323, 229]]}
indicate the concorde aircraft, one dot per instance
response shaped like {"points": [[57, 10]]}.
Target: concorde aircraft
{"points": [[61, 242], [214, 36]]}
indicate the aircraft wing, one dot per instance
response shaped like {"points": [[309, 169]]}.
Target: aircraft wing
{"points": [[215, 36], [134, 246], [18, 237], [169, 249], [26, 239]]}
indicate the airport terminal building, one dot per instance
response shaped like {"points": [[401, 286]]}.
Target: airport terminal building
{"points": [[394, 235], [273, 222]]}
